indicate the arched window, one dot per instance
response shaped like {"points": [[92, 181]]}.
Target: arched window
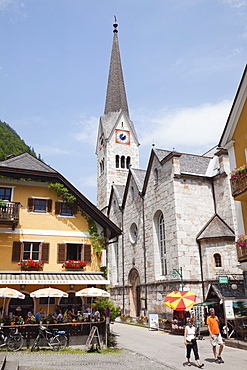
{"points": [[217, 260], [128, 162], [123, 161], [162, 244], [117, 161], [132, 192], [156, 176]]}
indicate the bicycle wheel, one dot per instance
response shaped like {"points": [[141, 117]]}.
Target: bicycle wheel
{"points": [[15, 342], [35, 344], [59, 342]]}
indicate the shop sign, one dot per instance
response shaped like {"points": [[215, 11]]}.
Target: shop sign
{"points": [[223, 279]]}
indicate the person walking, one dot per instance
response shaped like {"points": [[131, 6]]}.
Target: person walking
{"points": [[190, 342], [215, 336]]}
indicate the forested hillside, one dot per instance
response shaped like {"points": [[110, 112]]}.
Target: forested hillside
{"points": [[11, 143]]}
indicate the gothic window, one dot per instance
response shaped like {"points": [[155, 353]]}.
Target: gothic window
{"points": [[217, 260], [162, 244], [116, 250], [117, 161], [133, 233], [123, 161], [114, 206], [132, 191], [102, 166], [156, 176], [128, 162]]}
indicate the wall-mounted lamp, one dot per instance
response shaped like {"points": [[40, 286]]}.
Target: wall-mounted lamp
{"points": [[180, 274], [22, 286], [71, 286]]}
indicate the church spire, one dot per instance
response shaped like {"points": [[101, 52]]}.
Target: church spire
{"points": [[116, 96]]}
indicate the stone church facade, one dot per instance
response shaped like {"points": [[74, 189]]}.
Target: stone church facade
{"points": [[177, 216]]}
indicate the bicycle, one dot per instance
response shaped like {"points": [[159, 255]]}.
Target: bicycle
{"points": [[13, 340], [56, 340]]}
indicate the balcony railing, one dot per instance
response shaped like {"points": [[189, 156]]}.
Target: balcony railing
{"points": [[9, 213], [242, 253], [239, 186]]}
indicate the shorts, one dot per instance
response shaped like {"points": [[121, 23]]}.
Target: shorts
{"points": [[217, 339]]}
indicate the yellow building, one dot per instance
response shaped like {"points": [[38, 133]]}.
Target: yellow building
{"points": [[48, 232], [234, 139]]}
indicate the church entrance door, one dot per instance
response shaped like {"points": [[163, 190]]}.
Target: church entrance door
{"points": [[134, 293]]}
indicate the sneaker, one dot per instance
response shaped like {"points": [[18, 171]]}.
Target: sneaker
{"points": [[217, 361], [220, 361]]}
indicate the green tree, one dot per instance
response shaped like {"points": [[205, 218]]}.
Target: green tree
{"points": [[102, 302]]}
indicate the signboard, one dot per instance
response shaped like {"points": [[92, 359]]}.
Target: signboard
{"points": [[154, 321], [223, 279], [229, 309], [198, 316], [93, 333]]}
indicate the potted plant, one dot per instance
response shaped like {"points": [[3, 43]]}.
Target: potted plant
{"points": [[74, 265], [31, 265], [238, 172]]}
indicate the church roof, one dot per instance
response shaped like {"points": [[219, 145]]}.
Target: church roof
{"points": [[161, 154], [194, 164], [119, 191], [116, 96], [139, 176], [216, 228]]}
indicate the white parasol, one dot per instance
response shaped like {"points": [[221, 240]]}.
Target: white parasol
{"points": [[48, 292], [10, 293]]}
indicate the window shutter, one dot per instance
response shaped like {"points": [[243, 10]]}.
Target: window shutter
{"points": [[74, 209], [61, 253], [58, 208], [45, 249], [30, 204], [49, 205], [16, 252], [87, 252]]}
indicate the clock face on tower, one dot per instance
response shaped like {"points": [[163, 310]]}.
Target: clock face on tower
{"points": [[123, 137]]}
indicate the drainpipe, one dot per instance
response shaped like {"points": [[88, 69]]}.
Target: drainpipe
{"points": [[144, 251], [123, 271], [201, 268]]}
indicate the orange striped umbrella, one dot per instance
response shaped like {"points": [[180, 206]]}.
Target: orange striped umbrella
{"points": [[180, 300]]}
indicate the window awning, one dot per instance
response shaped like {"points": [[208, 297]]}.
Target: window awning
{"points": [[13, 277]]}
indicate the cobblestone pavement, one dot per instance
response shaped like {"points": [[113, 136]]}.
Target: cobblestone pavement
{"points": [[49, 360]]}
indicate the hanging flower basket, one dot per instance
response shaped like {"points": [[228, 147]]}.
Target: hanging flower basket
{"points": [[31, 265], [242, 241], [74, 265]]}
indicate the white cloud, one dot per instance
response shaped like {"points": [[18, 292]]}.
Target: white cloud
{"points": [[10, 5], [87, 130], [196, 127], [48, 151], [236, 3]]}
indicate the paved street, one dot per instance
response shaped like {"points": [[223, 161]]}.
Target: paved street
{"points": [[169, 349], [142, 350]]}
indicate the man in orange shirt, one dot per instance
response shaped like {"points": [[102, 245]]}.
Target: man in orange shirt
{"points": [[215, 336]]}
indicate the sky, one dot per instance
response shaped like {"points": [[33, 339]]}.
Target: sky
{"points": [[182, 62]]}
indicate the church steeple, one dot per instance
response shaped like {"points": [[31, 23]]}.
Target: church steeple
{"points": [[116, 96]]}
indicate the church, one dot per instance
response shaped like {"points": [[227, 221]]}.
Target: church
{"points": [[177, 216]]}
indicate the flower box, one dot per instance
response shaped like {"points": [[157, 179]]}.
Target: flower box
{"points": [[31, 265], [74, 265], [125, 318], [239, 183], [241, 244]]}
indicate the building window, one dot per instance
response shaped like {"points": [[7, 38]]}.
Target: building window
{"points": [[217, 260], [132, 192], [156, 176], [39, 205], [162, 244], [116, 250], [63, 209], [117, 161], [74, 252], [123, 161], [31, 250], [128, 162], [5, 193], [37, 251], [133, 233]]}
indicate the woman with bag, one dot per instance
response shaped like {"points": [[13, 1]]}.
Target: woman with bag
{"points": [[190, 342]]}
